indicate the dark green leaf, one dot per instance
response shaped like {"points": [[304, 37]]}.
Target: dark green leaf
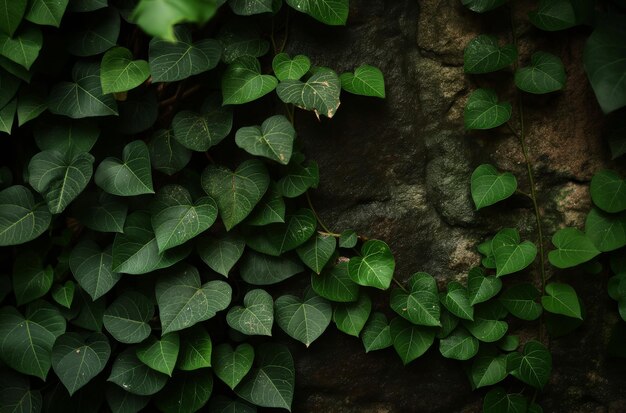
{"points": [[376, 333], [160, 355], [498, 401], [456, 301], [121, 401], [488, 369], [250, 7], [348, 239], [335, 284], [242, 82], [21, 219], [46, 12], [535, 365], [299, 178], [23, 47], [272, 140], [606, 231], [484, 54], [561, 299], [222, 253], [331, 12], [232, 365], [63, 294], [351, 317], [127, 177], [410, 341], [255, 317], [128, 316], [31, 279], [553, 15], [195, 350], [421, 304], [261, 269], [201, 131], [186, 392], [71, 137], [270, 210], [481, 288], [91, 267], [544, 75], [573, 248], [279, 238], [11, 15], [94, 33], [520, 300], [133, 376], [316, 252], [241, 39], [366, 81], [303, 319], [320, 93], [459, 345], [608, 191], [166, 154]]}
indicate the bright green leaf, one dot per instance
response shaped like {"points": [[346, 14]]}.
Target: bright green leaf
{"points": [[375, 266], [561, 299], [456, 300], [242, 82], [489, 186], [129, 176], [376, 333], [120, 73], [46, 12], [410, 341], [255, 317], [160, 355], [23, 48], [286, 68], [483, 111], [366, 80], [272, 140], [21, 219], [420, 305], [351, 317], [573, 248], [511, 255]]}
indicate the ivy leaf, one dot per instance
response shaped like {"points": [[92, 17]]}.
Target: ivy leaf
{"points": [[129, 176], [520, 300], [348, 239], [11, 15], [553, 15], [241, 39], [23, 47], [270, 210], [351, 317], [561, 299], [366, 81], [410, 341], [127, 318], [488, 369], [544, 75], [83, 97], [132, 375], [63, 294], [183, 301], [334, 284], [78, 358], [459, 345], [120, 73], [94, 33], [286, 68], [236, 193], [242, 82], [608, 191], [91, 267], [606, 231], [68, 136], [481, 6], [31, 280], [21, 219], [166, 154], [250, 7], [59, 178], [280, 238], [483, 111], [484, 54], [256, 317], [489, 186], [46, 12], [177, 219], [331, 12], [316, 252], [221, 254], [320, 93], [376, 333], [160, 355], [201, 131], [573, 248], [299, 179], [186, 392], [196, 349], [498, 401], [535, 365], [232, 365], [485, 329], [303, 319], [272, 140], [375, 266], [456, 300], [510, 254], [171, 61], [421, 304], [26, 343], [136, 251], [271, 383], [481, 288], [261, 269]]}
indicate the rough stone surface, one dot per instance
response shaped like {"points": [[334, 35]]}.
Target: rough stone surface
{"points": [[398, 170]]}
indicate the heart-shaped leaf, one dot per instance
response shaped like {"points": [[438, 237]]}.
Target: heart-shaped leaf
{"points": [[280, 238], [573, 248], [320, 93], [484, 54], [176, 218], [481, 288], [120, 73], [236, 193], [483, 111], [497, 400], [410, 341], [303, 319], [241, 39], [366, 81], [510, 254], [21, 219], [231, 366], [520, 300], [335, 284], [63, 294], [201, 131], [171, 61], [299, 178], [535, 365], [376, 333], [128, 177], [94, 33], [185, 392], [46, 12], [489, 186], [196, 349], [12, 13], [78, 358], [31, 280], [23, 47], [488, 369], [160, 355], [316, 252], [485, 329], [127, 318], [183, 301], [544, 75], [460, 345], [608, 191], [222, 253], [606, 231], [273, 139], [256, 317], [290, 69], [133, 376], [331, 12], [67, 136], [375, 266], [26, 343], [348, 239], [242, 82], [261, 269], [59, 178], [553, 15], [250, 7], [561, 299], [421, 304], [91, 267], [351, 317], [83, 97], [100, 211], [166, 154], [481, 6], [456, 301]]}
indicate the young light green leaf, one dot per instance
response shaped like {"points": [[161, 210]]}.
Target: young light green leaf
{"points": [[488, 369], [46, 12], [366, 80], [456, 301], [222, 253], [376, 333], [242, 82], [166, 154], [236, 193], [483, 111], [132, 375], [160, 17], [498, 401], [334, 284], [201, 131], [316, 252], [535, 365], [331, 12], [553, 15], [160, 355], [573, 248], [23, 47], [482, 6], [129, 176], [21, 219], [520, 300], [421, 304], [271, 383], [608, 191], [195, 350], [63, 294], [299, 178], [77, 358], [286, 68], [11, 15], [272, 140], [261, 269], [127, 318], [459, 345], [183, 301], [320, 93], [91, 266], [351, 317], [544, 75], [511, 255], [561, 299], [606, 231], [232, 365], [481, 288], [94, 33], [255, 317], [31, 280], [185, 392], [410, 341], [483, 54], [375, 266], [489, 186], [250, 7], [120, 73], [303, 319]]}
